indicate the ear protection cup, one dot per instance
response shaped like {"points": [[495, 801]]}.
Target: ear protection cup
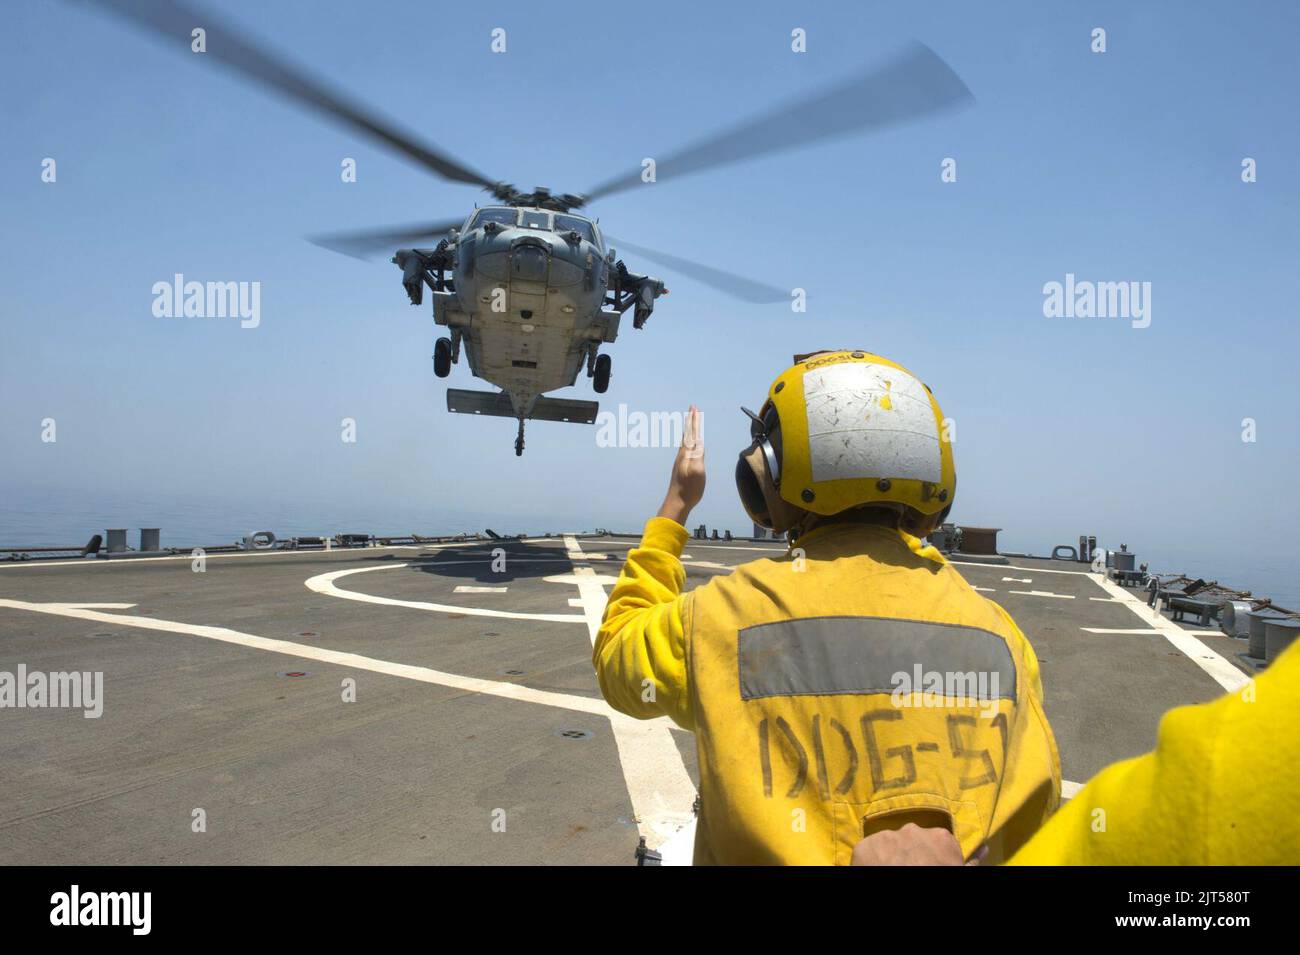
{"points": [[750, 487], [761, 500], [758, 472], [771, 448]]}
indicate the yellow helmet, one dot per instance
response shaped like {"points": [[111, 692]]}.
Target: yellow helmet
{"points": [[846, 429]]}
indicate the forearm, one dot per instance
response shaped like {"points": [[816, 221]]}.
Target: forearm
{"points": [[640, 650], [675, 509]]}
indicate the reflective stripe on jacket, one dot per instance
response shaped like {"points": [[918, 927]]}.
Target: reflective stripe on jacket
{"points": [[856, 678]]}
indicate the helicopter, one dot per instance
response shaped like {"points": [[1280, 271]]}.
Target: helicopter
{"points": [[529, 288]]}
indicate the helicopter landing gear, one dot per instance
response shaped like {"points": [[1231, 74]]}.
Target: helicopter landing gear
{"points": [[519, 440], [603, 367], [442, 357]]}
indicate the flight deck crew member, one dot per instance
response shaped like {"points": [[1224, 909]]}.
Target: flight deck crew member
{"points": [[857, 683]]}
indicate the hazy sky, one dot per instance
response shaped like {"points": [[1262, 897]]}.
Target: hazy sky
{"points": [[1122, 166]]}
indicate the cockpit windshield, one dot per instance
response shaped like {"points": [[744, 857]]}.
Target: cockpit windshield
{"points": [[536, 219], [575, 224], [501, 216]]}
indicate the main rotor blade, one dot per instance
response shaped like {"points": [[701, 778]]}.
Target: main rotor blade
{"points": [[362, 245], [735, 285], [916, 83], [174, 21]]}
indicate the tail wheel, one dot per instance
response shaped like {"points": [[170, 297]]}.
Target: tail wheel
{"points": [[442, 358], [603, 367]]}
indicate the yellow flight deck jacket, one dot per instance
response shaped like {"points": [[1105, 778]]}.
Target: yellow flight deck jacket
{"points": [[848, 686], [1222, 787]]}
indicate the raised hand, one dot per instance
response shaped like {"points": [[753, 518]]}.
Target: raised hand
{"points": [[686, 486]]}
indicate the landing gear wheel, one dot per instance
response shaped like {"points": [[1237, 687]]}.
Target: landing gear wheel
{"points": [[519, 440], [442, 357], [604, 365]]}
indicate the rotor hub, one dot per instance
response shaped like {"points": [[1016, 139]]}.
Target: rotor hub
{"points": [[541, 197]]}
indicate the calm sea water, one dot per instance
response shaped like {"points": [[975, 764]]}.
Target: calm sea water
{"points": [[57, 520], [33, 519]]}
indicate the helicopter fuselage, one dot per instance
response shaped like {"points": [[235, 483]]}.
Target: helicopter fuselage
{"points": [[530, 293], [527, 302]]}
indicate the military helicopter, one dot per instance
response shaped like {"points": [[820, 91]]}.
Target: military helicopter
{"points": [[528, 288]]}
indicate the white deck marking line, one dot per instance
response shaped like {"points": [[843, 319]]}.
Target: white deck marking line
{"points": [[605, 580], [84, 606], [1147, 630], [471, 589], [1104, 600], [592, 595], [324, 584], [572, 548], [1069, 789], [679, 848], [509, 691], [1031, 570], [658, 785], [987, 590], [1041, 593], [1223, 672], [1018, 580]]}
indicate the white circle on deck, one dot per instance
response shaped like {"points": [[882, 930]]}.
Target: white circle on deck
{"points": [[324, 584], [603, 579]]}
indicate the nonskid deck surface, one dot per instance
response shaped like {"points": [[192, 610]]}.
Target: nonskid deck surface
{"points": [[476, 709]]}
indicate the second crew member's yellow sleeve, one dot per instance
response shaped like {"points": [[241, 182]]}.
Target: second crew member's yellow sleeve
{"points": [[1220, 788], [640, 651]]}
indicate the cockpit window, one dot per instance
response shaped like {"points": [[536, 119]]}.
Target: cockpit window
{"points": [[536, 219], [575, 224], [502, 216]]}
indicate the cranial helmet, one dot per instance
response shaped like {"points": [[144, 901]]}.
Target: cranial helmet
{"points": [[843, 430]]}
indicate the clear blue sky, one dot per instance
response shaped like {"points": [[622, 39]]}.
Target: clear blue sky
{"points": [[1120, 166]]}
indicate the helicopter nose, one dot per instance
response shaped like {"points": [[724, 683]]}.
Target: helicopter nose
{"points": [[530, 260]]}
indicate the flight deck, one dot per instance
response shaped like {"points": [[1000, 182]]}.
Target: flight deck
{"points": [[437, 703]]}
